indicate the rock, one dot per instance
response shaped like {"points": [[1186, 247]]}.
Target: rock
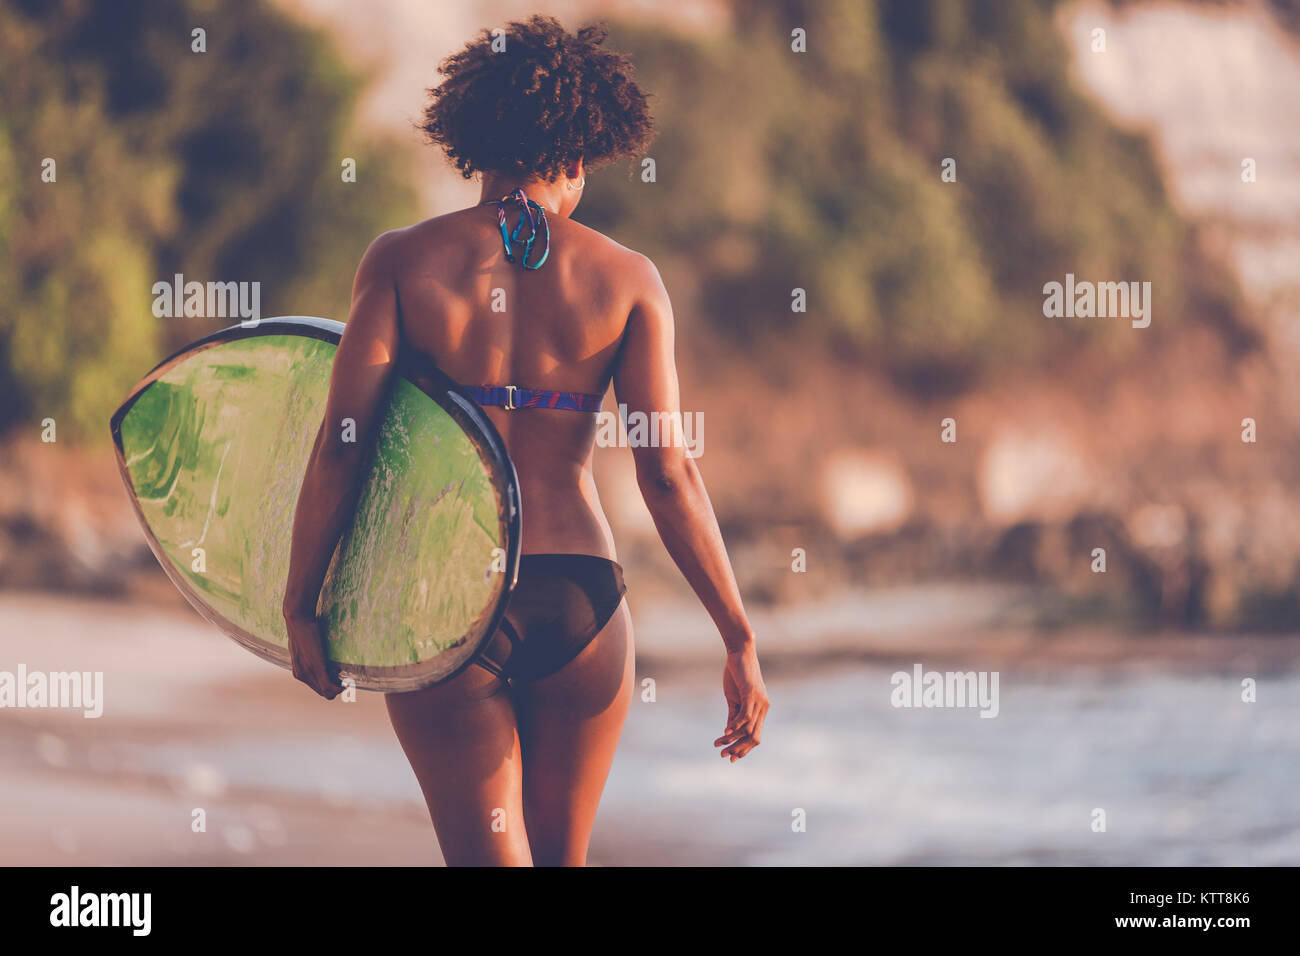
{"points": [[864, 491], [1158, 527], [1032, 476]]}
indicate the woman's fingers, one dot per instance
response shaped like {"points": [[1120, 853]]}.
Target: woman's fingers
{"points": [[325, 685], [741, 741], [739, 749], [740, 723], [728, 737], [747, 706], [740, 746], [744, 726], [744, 732], [307, 659], [319, 680]]}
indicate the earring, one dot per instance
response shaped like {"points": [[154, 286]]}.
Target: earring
{"points": [[581, 182]]}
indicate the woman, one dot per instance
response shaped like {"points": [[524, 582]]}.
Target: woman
{"points": [[512, 754]]}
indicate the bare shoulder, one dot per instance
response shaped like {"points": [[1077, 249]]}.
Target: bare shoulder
{"points": [[419, 238], [635, 269], [384, 251], [435, 226]]}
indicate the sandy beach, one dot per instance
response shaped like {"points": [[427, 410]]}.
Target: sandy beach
{"points": [[1153, 731]]}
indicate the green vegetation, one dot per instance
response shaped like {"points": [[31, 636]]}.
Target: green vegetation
{"points": [[776, 170], [821, 171], [221, 165]]}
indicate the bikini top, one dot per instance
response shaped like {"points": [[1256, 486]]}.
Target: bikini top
{"points": [[536, 223], [512, 396]]}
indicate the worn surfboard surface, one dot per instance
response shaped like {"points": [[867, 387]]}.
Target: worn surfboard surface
{"points": [[213, 444]]}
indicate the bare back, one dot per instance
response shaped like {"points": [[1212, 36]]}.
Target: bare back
{"points": [[486, 321]]}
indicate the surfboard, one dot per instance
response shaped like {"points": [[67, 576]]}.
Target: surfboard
{"points": [[213, 444]]}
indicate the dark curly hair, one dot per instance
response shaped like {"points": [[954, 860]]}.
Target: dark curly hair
{"points": [[549, 98]]}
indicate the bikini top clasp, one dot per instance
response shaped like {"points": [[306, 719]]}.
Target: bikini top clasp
{"points": [[512, 397]]}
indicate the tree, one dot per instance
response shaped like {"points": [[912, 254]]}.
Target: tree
{"points": [[223, 166], [821, 170]]}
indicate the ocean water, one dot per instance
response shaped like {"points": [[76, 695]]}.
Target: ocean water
{"points": [[1185, 772]]}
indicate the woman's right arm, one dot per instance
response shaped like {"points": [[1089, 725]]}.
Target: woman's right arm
{"points": [[645, 380], [364, 367]]}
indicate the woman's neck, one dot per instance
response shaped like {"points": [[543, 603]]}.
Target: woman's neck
{"points": [[551, 196]]}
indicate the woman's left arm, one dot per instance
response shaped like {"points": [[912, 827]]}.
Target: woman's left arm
{"points": [[363, 371]]}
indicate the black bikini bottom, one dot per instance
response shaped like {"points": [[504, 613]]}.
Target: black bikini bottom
{"points": [[559, 605]]}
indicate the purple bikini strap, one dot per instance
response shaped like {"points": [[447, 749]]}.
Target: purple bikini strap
{"points": [[512, 396]]}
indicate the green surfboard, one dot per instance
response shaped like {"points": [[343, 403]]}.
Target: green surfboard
{"points": [[213, 444]]}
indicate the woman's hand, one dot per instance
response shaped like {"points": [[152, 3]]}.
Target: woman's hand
{"points": [[747, 703], [307, 652]]}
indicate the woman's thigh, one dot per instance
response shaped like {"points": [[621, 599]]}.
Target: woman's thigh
{"points": [[569, 724], [462, 741]]}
